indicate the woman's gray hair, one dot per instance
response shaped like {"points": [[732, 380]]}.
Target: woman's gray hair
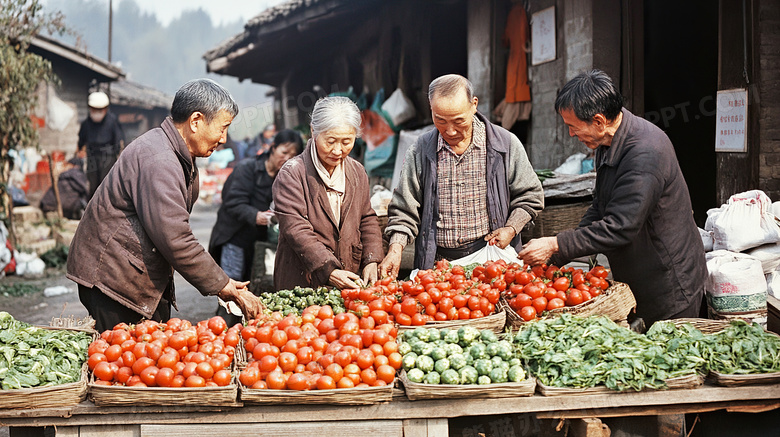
{"points": [[204, 96], [334, 112], [448, 85]]}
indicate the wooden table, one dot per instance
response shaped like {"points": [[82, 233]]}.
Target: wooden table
{"points": [[398, 418]]}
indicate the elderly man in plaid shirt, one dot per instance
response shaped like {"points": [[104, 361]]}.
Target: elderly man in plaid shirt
{"points": [[465, 184]]}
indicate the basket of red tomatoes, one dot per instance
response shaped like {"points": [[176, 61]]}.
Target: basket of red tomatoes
{"points": [[170, 363], [529, 293]]}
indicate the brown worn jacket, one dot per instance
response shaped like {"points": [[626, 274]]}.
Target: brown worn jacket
{"points": [[311, 245], [135, 231]]}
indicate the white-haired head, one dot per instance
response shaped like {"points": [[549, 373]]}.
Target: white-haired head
{"points": [[334, 112]]}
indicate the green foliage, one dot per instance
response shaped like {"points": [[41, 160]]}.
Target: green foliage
{"points": [[17, 289], [56, 256]]}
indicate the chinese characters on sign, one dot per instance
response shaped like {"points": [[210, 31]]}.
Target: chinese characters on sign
{"points": [[543, 36], [731, 122]]}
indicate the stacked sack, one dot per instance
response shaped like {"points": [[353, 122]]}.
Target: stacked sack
{"points": [[742, 240]]}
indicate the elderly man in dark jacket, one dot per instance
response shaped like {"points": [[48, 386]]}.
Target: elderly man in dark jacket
{"points": [[641, 216], [135, 231]]}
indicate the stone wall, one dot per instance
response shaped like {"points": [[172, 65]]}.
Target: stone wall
{"points": [[769, 100]]}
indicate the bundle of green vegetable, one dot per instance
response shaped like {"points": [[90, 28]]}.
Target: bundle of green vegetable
{"points": [[462, 356], [299, 298], [743, 349], [37, 357], [544, 174], [569, 351]]}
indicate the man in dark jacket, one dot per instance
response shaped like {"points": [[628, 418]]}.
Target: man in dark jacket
{"points": [[73, 190], [102, 138], [135, 231], [641, 216], [465, 184]]}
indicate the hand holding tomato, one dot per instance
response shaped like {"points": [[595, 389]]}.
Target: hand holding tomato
{"points": [[538, 250], [390, 266], [501, 237]]}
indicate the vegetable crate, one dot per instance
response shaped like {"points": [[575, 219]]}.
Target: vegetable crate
{"points": [[708, 326], [339, 396], [616, 303], [494, 322], [52, 396]]}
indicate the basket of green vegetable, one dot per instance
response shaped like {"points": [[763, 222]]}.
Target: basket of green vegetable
{"points": [[42, 367], [463, 362], [743, 353], [571, 355]]}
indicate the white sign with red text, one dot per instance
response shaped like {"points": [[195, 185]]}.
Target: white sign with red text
{"points": [[731, 122]]}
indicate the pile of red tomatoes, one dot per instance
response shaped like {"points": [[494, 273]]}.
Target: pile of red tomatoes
{"points": [[442, 293], [319, 350], [171, 354], [532, 290]]}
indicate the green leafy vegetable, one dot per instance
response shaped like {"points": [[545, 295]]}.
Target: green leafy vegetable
{"points": [[38, 357]]}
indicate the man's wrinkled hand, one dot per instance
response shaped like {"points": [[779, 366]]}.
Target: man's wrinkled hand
{"points": [[238, 292], [342, 279], [538, 251], [370, 274], [391, 265], [501, 237]]}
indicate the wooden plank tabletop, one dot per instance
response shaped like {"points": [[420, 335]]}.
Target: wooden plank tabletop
{"points": [[705, 398]]}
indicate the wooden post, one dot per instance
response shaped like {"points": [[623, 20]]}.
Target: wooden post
{"points": [[55, 187]]}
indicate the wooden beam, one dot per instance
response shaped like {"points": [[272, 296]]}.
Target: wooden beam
{"points": [[389, 428]]}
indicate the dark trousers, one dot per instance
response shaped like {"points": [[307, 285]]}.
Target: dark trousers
{"points": [[108, 313]]}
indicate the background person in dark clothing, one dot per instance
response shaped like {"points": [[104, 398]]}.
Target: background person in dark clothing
{"points": [[245, 213], [102, 137], [641, 216], [73, 189]]}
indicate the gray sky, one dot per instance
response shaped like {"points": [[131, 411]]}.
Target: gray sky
{"points": [[221, 11]]}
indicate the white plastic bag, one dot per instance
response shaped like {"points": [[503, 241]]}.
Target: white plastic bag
{"points": [[736, 282], [381, 199], [745, 222], [706, 239], [768, 254], [399, 107], [572, 165], [489, 253]]}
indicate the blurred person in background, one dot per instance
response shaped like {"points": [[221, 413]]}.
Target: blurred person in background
{"points": [[245, 212], [73, 189], [102, 138], [328, 232]]}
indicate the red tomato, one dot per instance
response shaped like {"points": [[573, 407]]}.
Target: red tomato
{"points": [[540, 304], [555, 303], [574, 297], [499, 284], [594, 291], [533, 290], [523, 278], [515, 289], [585, 295], [561, 284], [528, 313], [493, 270], [551, 272]]}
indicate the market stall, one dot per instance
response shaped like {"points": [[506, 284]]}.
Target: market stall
{"points": [[396, 418]]}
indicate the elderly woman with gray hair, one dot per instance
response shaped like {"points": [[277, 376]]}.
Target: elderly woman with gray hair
{"points": [[328, 232]]}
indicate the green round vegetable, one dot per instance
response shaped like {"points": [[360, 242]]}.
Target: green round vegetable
{"points": [[415, 375], [432, 378], [516, 374], [468, 375], [450, 376], [483, 366], [442, 365], [484, 380], [457, 361], [424, 363]]}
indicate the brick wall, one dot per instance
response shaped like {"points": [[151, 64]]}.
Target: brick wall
{"points": [[769, 100], [549, 143]]}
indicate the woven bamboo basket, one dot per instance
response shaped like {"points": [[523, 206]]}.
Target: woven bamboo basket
{"points": [[708, 326], [416, 390], [556, 218], [681, 382], [494, 322], [47, 397], [339, 396], [616, 302], [114, 395], [56, 395]]}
